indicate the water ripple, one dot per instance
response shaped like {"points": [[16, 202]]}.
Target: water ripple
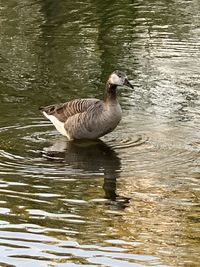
{"points": [[132, 198], [37, 142]]}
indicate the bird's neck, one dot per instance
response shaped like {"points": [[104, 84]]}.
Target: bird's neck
{"points": [[110, 94]]}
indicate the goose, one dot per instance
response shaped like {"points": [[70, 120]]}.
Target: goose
{"points": [[89, 118]]}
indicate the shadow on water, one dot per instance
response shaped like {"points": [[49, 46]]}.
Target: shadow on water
{"points": [[90, 157]]}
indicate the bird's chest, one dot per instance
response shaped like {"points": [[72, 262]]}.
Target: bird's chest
{"points": [[111, 116], [114, 111]]}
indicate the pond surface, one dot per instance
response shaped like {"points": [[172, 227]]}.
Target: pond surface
{"points": [[131, 198]]}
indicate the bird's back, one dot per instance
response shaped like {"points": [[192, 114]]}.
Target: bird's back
{"points": [[66, 110]]}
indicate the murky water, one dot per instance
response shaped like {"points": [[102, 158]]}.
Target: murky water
{"points": [[131, 198]]}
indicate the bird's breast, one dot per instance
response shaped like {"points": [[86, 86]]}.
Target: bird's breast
{"points": [[112, 116]]}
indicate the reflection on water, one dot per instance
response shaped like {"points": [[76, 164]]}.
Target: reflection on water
{"points": [[131, 199], [90, 157]]}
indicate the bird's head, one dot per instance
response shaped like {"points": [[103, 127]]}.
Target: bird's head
{"points": [[119, 78]]}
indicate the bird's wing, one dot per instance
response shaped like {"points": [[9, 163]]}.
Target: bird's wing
{"points": [[65, 110]]}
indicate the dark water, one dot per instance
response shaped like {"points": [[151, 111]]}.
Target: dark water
{"points": [[133, 198]]}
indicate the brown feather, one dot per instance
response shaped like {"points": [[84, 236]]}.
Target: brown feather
{"points": [[65, 110]]}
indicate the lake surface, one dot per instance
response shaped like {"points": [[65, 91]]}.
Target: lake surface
{"points": [[131, 198]]}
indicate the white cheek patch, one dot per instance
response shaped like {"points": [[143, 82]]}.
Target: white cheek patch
{"points": [[114, 79]]}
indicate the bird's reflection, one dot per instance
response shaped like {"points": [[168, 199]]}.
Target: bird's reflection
{"points": [[91, 157]]}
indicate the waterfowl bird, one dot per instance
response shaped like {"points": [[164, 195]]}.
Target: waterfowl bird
{"points": [[89, 118]]}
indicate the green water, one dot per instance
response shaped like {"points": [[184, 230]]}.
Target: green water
{"points": [[131, 199]]}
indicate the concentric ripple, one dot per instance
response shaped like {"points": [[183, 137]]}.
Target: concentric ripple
{"points": [[126, 152], [126, 141], [38, 144]]}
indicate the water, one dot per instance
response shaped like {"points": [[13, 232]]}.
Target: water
{"points": [[131, 198]]}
